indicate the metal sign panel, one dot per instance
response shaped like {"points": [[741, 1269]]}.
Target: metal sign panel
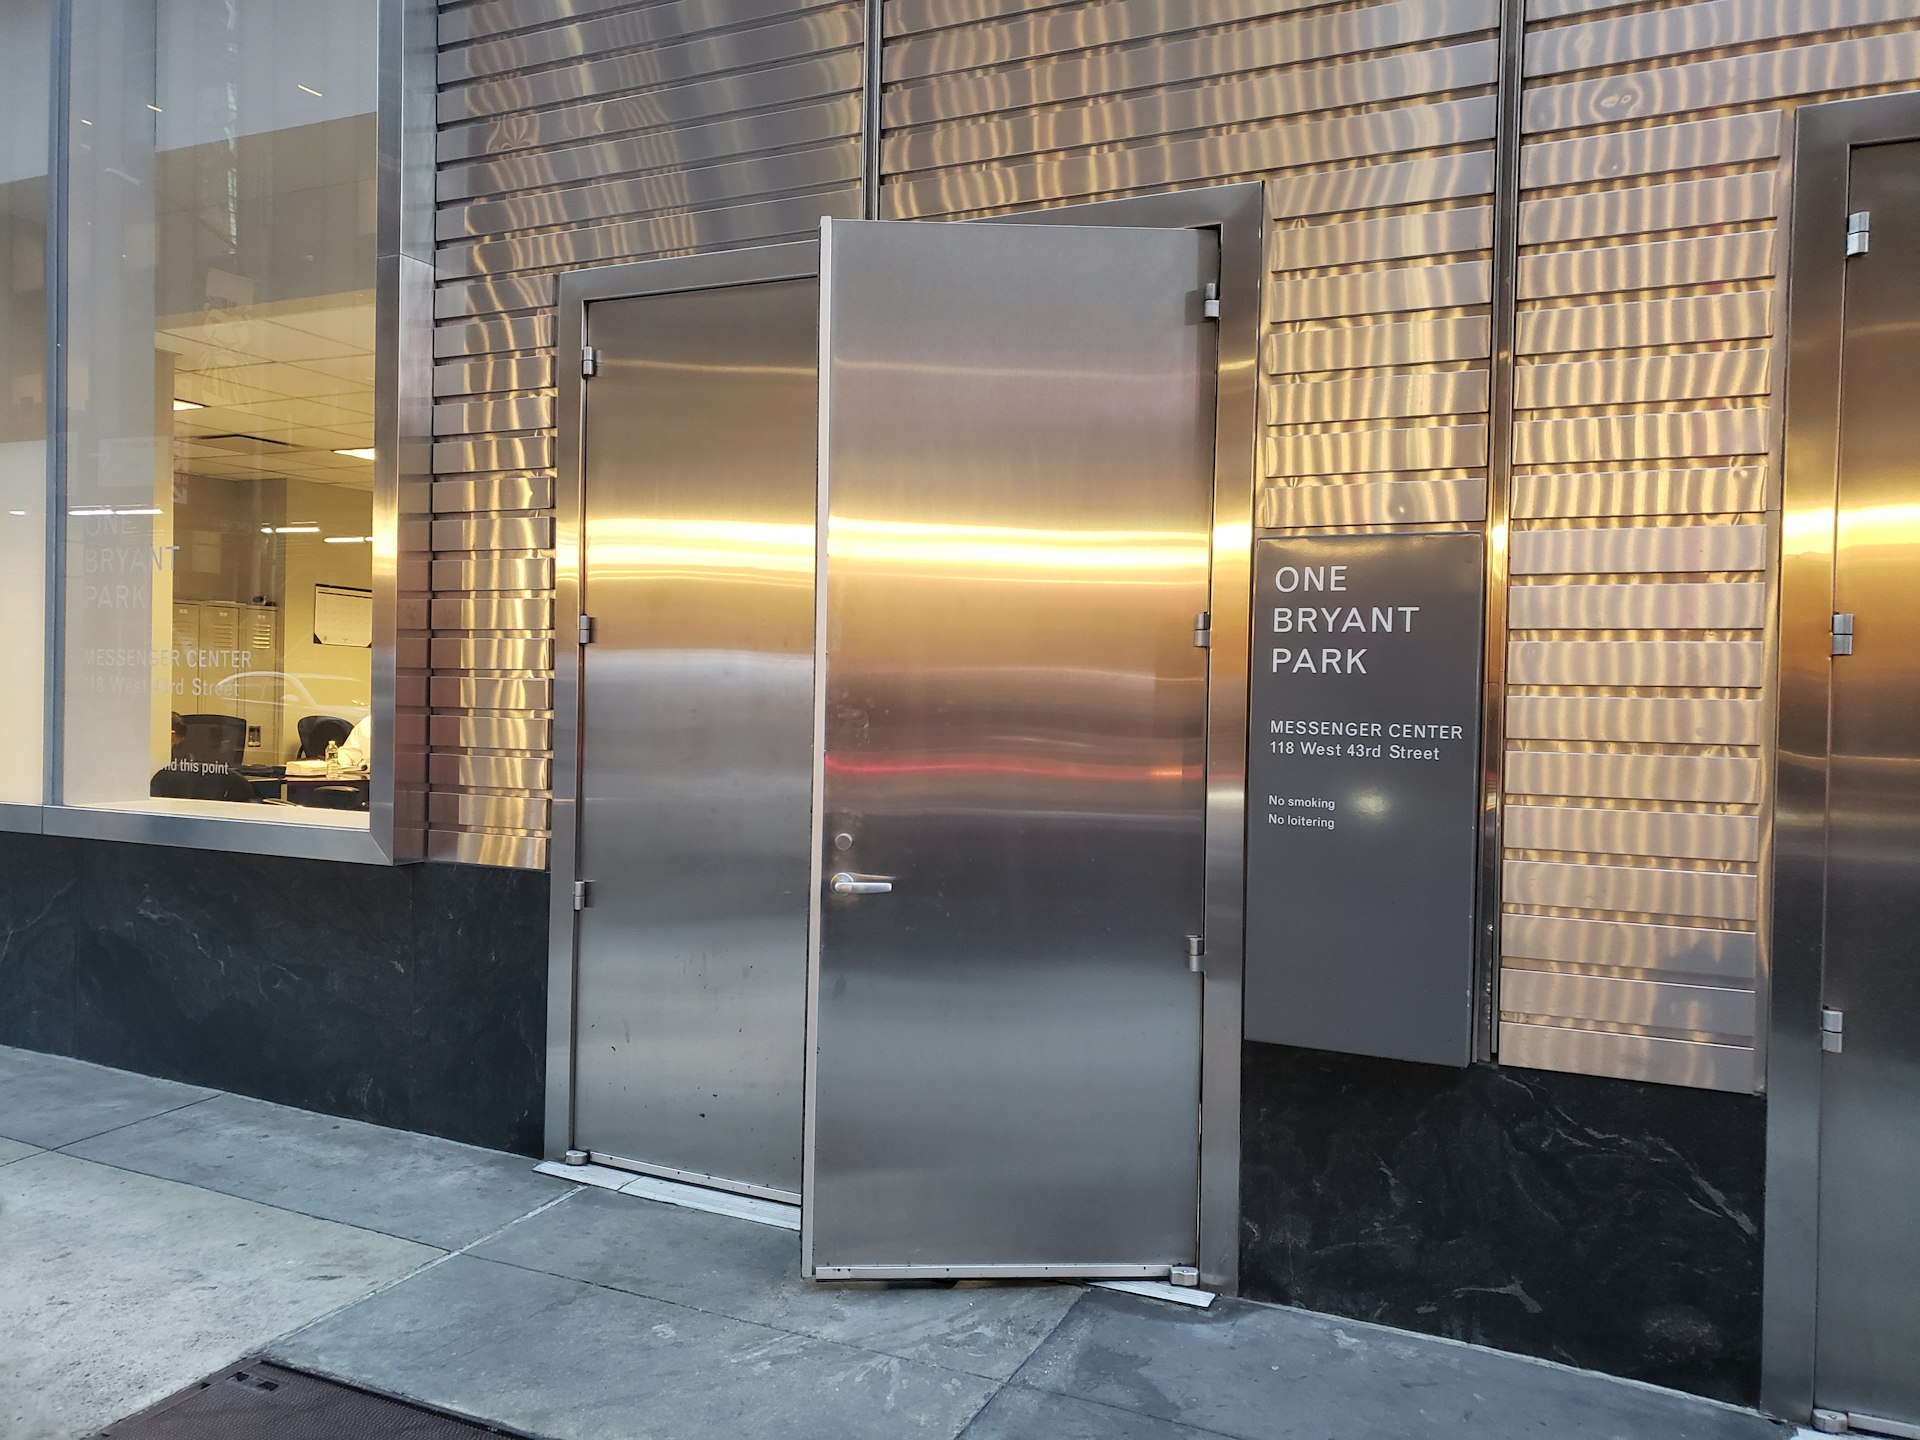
{"points": [[1362, 791]]}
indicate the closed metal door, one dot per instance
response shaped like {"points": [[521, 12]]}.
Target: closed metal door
{"points": [[1016, 477], [1868, 1314], [696, 733]]}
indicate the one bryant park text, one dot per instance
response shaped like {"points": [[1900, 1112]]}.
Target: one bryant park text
{"points": [[1309, 626]]}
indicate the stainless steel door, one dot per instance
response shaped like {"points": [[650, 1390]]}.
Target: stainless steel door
{"points": [[1016, 470], [1867, 1361], [697, 725]]}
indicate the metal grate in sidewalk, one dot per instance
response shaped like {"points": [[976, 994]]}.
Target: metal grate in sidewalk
{"points": [[253, 1400]]}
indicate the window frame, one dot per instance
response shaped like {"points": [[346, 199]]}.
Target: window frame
{"points": [[402, 477]]}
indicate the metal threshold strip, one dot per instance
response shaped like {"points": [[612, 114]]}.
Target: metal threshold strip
{"points": [[777, 1213], [1151, 1282]]}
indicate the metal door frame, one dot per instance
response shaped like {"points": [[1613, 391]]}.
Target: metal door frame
{"points": [[579, 289], [1816, 294], [1238, 213]]}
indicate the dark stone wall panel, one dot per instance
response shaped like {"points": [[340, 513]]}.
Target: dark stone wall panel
{"points": [[480, 1006], [37, 944], [1603, 1223], [413, 997]]}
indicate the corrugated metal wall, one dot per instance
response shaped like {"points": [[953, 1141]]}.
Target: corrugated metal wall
{"points": [[1642, 501], [1645, 516], [1373, 126], [574, 133]]}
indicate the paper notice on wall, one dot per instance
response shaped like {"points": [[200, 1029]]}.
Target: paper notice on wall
{"points": [[342, 616]]}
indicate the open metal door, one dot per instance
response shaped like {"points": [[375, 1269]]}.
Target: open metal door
{"points": [[1017, 430]]}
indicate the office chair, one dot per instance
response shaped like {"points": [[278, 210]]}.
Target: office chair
{"points": [[316, 730]]}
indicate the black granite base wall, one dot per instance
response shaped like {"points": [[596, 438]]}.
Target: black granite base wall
{"points": [[413, 996], [1603, 1223]]}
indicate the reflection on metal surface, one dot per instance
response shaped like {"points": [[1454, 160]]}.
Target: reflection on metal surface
{"points": [[1678, 950], [1724, 605], [1712, 1066], [1646, 364], [1655, 265], [569, 137], [1288, 504], [1868, 1248], [1235, 214], [1716, 490], [1704, 1012], [1650, 664], [1633, 323], [695, 730], [585, 33], [1351, 347], [1713, 778], [1642, 890], [1633, 719], [712, 53], [1663, 551], [1678, 834], [1016, 542]]}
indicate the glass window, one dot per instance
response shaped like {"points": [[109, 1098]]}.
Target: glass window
{"points": [[26, 51], [220, 397]]}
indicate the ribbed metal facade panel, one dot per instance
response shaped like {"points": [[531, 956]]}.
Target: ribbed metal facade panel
{"points": [[1645, 516], [588, 133], [1372, 126], [1641, 518]]}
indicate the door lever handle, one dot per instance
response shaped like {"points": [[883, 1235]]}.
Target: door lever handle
{"points": [[845, 883]]}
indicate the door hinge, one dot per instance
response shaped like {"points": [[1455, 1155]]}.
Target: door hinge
{"points": [[1196, 952], [1203, 629], [1842, 634], [586, 629], [1210, 300], [581, 894], [1859, 232], [589, 362], [1833, 1029]]}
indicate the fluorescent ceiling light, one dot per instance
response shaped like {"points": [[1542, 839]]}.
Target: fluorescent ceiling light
{"points": [[91, 510], [138, 510], [311, 91], [180, 404], [16, 512], [346, 539], [296, 530], [366, 454]]}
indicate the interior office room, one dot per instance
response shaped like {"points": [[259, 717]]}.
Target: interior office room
{"points": [[584, 580]]}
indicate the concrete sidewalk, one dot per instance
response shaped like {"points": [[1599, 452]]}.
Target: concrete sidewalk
{"points": [[151, 1233]]}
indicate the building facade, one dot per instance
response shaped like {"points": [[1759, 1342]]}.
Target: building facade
{"points": [[1529, 276]]}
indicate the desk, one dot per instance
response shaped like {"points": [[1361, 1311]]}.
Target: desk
{"points": [[299, 789]]}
